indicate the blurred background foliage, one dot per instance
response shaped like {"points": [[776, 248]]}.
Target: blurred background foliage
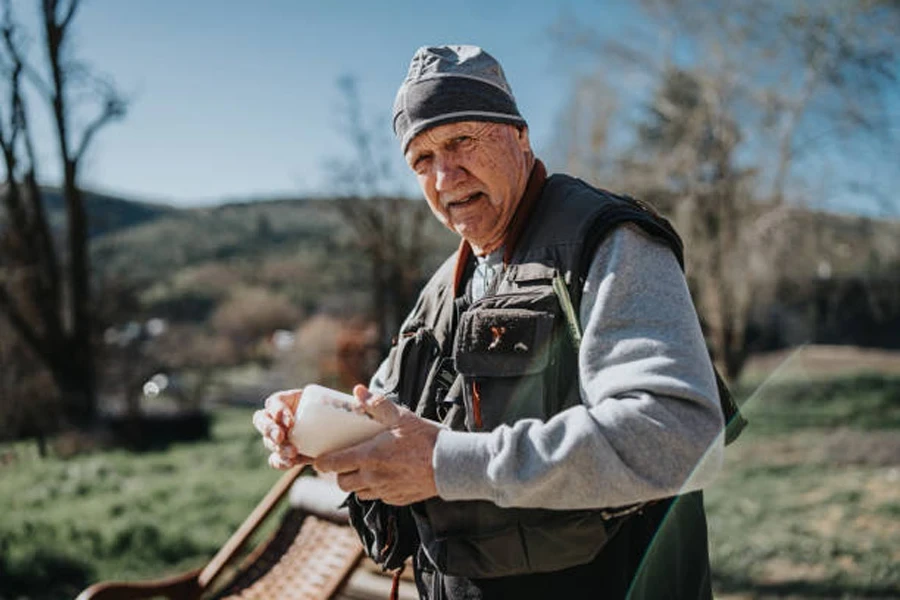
{"points": [[135, 337]]}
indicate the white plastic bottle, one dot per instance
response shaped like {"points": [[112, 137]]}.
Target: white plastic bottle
{"points": [[328, 420]]}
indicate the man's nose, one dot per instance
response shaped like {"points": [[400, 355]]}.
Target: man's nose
{"points": [[449, 173]]}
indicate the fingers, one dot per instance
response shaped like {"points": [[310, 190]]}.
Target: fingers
{"points": [[274, 422], [261, 421], [269, 444], [282, 405], [284, 450], [360, 392], [340, 461], [351, 482], [284, 398], [382, 410], [356, 482], [282, 464], [346, 460], [378, 407], [266, 425], [277, 416], [283, 456]]}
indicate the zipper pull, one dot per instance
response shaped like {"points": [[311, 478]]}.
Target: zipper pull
{"points": [[476, 406]]}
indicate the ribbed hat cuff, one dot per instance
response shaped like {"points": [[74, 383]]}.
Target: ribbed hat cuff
{"points": [[439, 100]]}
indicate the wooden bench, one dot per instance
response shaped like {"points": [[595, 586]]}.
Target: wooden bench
{"points": [[313, 554]]}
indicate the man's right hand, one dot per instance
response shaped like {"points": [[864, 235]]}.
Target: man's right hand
{"points": [[274, 422]]}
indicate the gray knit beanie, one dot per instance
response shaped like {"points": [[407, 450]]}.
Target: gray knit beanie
{"points": [[447, 84]]}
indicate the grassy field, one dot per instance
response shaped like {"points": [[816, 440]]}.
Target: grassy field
{"points": [[120, 515], [808, 505]]}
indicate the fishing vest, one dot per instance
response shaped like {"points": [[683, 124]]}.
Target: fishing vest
{"points": [[509, 356]]}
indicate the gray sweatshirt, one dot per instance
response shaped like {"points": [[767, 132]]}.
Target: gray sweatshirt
{"points": [[649, 425]]}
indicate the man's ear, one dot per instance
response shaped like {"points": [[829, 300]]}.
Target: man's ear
{"points": [[524, 141]]}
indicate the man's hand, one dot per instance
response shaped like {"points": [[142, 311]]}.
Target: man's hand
{"points": [[394, 466], [274, 422]]}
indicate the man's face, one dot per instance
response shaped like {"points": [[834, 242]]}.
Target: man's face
{"points": [[473, 175]]}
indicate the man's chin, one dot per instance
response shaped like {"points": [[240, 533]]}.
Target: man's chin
{"points": [[480, 245], [472, 242]]}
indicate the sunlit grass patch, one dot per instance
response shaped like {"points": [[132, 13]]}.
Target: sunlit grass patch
{"points": [[867, 401], [809, 513], [123, 515]]}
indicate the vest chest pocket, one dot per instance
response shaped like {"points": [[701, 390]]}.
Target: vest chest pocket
{"points": [[505, 350]]}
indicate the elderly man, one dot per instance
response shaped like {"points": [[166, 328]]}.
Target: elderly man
{"points": [[551, 407]]}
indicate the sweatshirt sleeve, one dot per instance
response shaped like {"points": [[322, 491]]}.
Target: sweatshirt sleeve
{"points": [[649, 425]]}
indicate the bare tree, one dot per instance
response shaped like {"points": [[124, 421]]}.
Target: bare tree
{"points": [[583, 141], [45, 290], [687, 161], [27, 390], [719, 139], [389, 229]]}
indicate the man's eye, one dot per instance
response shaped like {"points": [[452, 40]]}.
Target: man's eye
{"points": [[421, 162]]}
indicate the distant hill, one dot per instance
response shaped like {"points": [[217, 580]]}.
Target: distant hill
{"points": [[228, 233], [186, 262], [189, 260], [105, 213]]}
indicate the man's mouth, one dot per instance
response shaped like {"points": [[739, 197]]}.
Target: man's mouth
{"points": [[465, 201]]}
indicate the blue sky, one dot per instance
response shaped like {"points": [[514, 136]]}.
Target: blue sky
{"points": [[232, 99]]}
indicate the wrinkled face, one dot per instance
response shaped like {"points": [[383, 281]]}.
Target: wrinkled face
{"points": [[473, 175]]}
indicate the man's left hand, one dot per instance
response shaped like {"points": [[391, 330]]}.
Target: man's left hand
{"points": [[394, 466]]}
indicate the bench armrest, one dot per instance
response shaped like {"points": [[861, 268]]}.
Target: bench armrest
{"points": [[178, 587]]}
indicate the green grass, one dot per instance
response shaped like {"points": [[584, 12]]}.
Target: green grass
{"points": [[125, 516], [808, 502], [808, 505], [868, 401]]}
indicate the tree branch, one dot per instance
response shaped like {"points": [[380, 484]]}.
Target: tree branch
{"points": [[9, 28], [33, 226], [54, 36], [113, 108], [70, 13], [37, 81]]}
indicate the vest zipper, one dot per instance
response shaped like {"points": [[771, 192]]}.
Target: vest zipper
{"points": [[476, 406]]}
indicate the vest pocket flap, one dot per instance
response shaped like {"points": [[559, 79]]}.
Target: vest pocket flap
{"points": [[503, 342]]}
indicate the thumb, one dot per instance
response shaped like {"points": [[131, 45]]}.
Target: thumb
{"points": [[378, 407]]}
